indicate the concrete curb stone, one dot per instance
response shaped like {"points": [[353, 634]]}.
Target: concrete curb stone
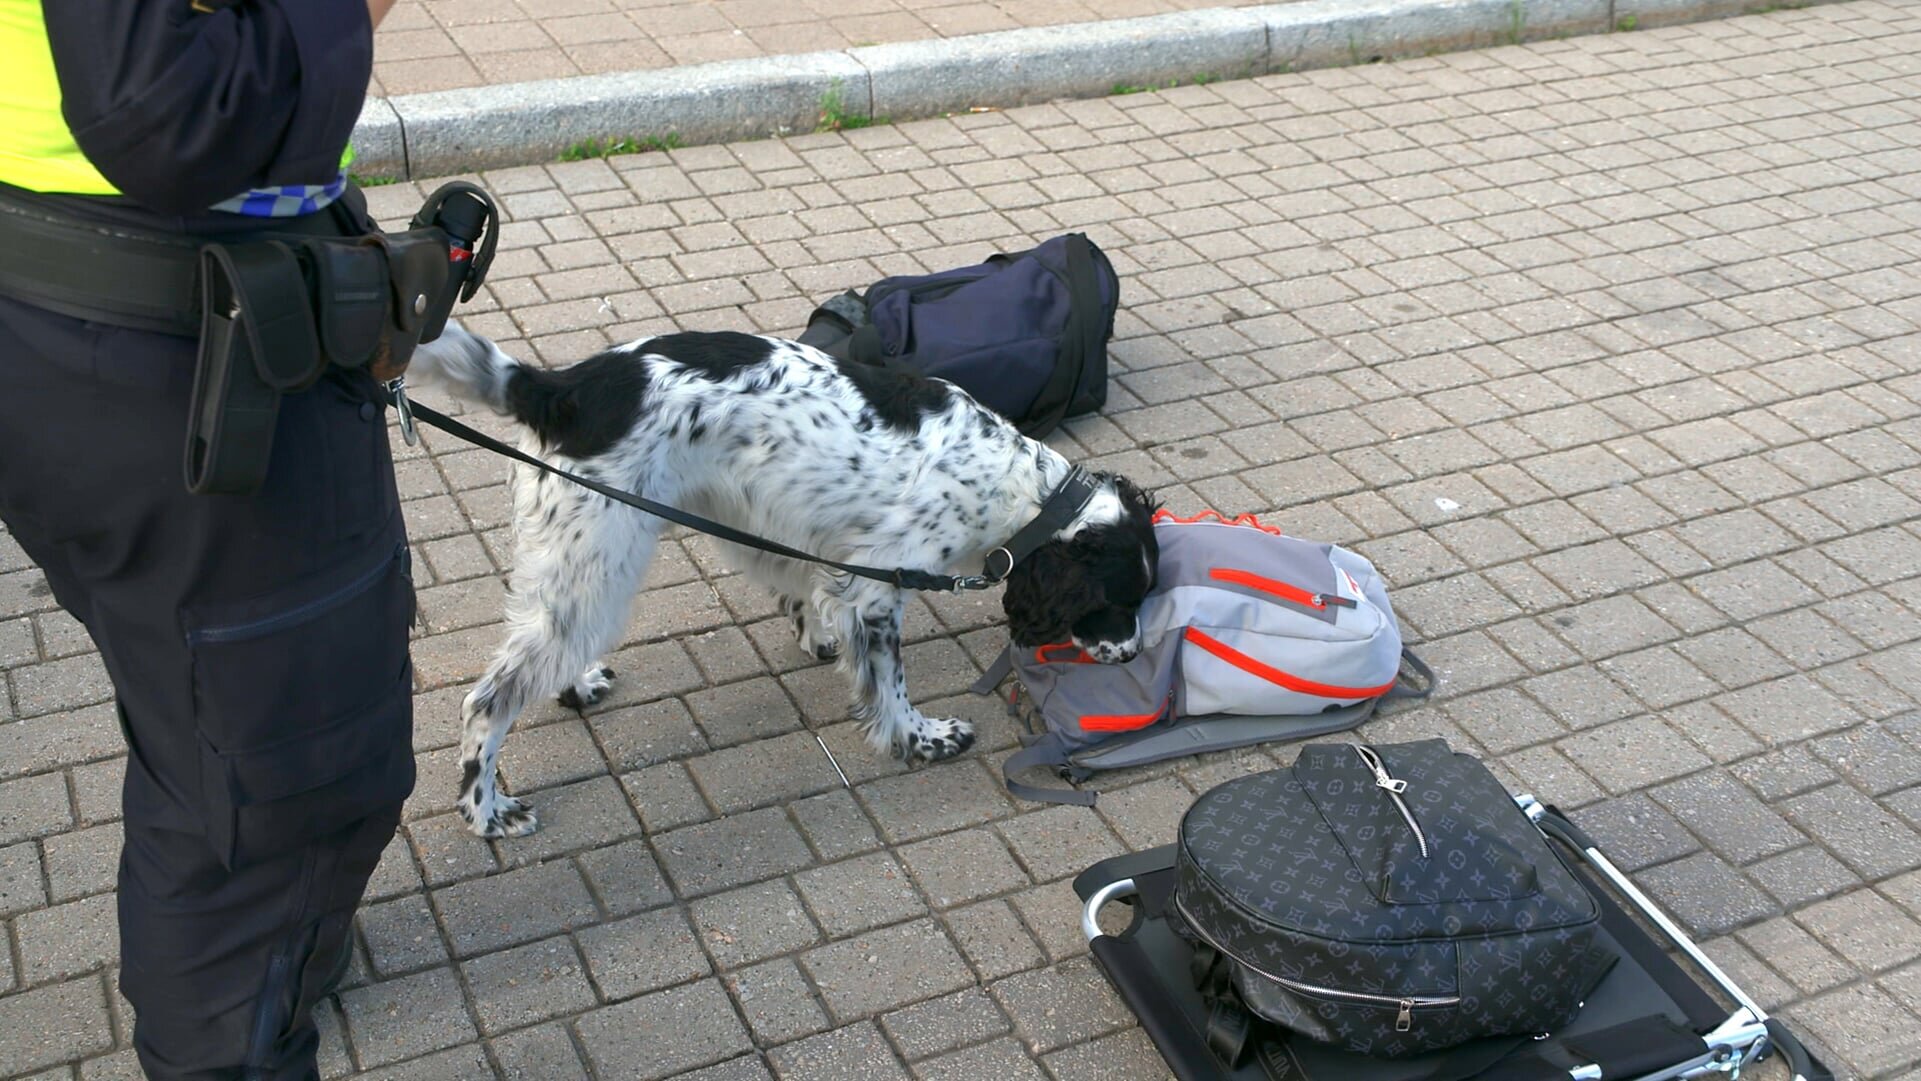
{"points": [[378, 141], [524, 123], [434, 134], [1648, 14], [1025, 67], [1330, 33]]}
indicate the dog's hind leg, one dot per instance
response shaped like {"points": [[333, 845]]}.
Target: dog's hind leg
{"points": [[793, 585], [868, 616], [571, 593]]}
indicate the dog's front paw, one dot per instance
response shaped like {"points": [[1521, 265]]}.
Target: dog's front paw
{"points": [[814, 642], [938, 738], [512, 818], [591, 687], [509, 816], [487, 808]]}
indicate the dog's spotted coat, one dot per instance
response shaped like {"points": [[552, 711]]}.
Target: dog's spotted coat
{"points": [[855, 463]]}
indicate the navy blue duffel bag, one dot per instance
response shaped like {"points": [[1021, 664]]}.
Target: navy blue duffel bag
{"points": [[1024, 332]]}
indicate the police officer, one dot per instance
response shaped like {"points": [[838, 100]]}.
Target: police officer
{"points": [[257, 642]]}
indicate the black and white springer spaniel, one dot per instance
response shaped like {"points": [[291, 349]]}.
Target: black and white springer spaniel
{"points": [[851, 462]]}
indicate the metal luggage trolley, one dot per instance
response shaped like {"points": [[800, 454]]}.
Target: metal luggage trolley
{"points": [[1648, 1020]]}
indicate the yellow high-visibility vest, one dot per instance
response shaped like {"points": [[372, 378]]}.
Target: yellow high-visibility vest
{"points": [[37, 151]]}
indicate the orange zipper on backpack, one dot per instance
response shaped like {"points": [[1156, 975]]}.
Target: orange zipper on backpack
{"points": [[1119, 722], [1277, 677], [1284, 590]]}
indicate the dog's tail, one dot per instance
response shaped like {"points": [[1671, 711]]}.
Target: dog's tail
{"points": [[468, 366]]}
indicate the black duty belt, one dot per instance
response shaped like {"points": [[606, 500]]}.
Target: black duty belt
{"points": [[124, 277], [272, 309]]}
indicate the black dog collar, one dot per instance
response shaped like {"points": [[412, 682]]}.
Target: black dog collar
{"points": [[1057, 512]]}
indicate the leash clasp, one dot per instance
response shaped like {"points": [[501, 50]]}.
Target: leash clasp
{"points": [[398, 388], [990, 575]]}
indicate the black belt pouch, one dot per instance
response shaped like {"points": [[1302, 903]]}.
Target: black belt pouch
{"points": [[273, 316]]}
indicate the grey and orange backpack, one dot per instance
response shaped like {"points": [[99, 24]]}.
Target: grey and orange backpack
{"points": [[1248, 636]]}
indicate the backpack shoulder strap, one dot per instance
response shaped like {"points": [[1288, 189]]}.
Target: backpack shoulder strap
{"points": [[864, 346], [1046, 751], [834, 323], [1080, 339], [1403, 689], [996, 673], [1229, 1024]]}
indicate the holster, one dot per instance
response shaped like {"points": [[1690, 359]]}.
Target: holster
{"points": [[275, 314]]}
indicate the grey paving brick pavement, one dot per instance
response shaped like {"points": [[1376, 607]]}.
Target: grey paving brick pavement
{"points": [[449, 44], [1607, 350]]}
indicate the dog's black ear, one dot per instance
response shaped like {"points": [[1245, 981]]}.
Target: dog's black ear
{"points": [[1136, 499], [1046, 592]]}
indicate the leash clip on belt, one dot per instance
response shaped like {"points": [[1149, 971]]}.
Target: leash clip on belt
{"points": [[274, 315], [466, 215]]}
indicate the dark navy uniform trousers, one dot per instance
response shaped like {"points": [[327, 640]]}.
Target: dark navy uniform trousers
{"points": [[258, 650]]}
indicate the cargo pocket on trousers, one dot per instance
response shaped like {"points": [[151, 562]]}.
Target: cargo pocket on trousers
{"points": [[303, 704]]}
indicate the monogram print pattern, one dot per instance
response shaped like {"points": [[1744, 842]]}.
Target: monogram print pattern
{"points": [[1315, 881]]}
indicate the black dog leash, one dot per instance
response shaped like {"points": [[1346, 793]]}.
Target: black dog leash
{"points": [[1060, 508]]}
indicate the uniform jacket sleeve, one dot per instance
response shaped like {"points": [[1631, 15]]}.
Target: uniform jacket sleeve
{"points": [[181, 109]]}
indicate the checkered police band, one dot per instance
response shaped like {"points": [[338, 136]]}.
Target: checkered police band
{"points": [[287, 201]]}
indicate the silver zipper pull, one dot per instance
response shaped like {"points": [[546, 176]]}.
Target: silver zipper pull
{"points": [[1394, 786], [1382, 779], [398, 388], [1404, 1020]]}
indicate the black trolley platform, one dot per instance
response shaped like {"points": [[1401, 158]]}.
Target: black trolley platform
{"points": [[1648, 1020]]}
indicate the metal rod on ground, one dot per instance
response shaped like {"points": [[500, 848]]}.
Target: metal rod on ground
{"points": [[831, 760]]}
